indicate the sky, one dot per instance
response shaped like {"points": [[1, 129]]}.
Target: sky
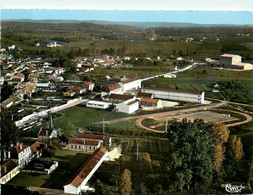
{"points": [[234, 5], [216, 11]]}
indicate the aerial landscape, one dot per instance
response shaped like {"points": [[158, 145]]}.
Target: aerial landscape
{"points": [[126, 102]]}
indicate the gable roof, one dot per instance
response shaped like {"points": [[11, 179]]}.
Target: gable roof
{"points": [[174, 90], [130, 80], [87, 167], [149, 100], [37, 146], [118, 96], [132, 102], [112, 87], [10, 165], [229, 55], [143, 94], [17, 149], [93, 136], [46, 131], [84, 141]]}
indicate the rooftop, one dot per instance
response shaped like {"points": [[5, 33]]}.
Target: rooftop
{"points": [[10, 165], [37, 146], [93, 136], [132, 102], [83, 141], [112, 87], [46, 131], [118, 96], [229, 55], [87, 167], [173, 90], [149, 100], [130, 80]]}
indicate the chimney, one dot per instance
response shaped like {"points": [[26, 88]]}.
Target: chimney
{"points": [[4, 154], [21, 146], [5, 169], [84, 141], [9, 154], [47, 133]]}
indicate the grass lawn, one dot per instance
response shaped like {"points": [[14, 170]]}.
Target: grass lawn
{"points": [[69, 163], [76, 117]]}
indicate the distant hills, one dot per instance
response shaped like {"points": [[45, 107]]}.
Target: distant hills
{"points": [[133, 24]]}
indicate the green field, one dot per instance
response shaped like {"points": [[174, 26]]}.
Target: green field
{"points": [[201, 77], [71, 119], [69, 163]]}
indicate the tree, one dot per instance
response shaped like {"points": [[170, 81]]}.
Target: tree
{"points": [[126, 184], [192, 157], [221, 134], [235, 148], [9, 132]]}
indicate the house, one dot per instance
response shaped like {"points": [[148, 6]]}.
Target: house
{"points": [[148, 102], [77, 183], [21, 154], [45, 134], [145, 95], [37, 149], [104, 139], [133, 83], [8, 103], [89, 85], [44, 86], [112, 88], [78, 90], [98, 104], [69, 93], [175, 94], [8, 170], [128, 106], [83, 145], [229, 59], [123, 103], [242, 66]]}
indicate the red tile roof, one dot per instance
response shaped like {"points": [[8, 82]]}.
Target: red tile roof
{"points": [[132, 102], [93, 136], [118, 96], [88, 83], [37, 146], [112, 87], [142, 94], [83, 141], [86, 168], [130, 80], [10, 165], [44, 131], [73, 88], [149, 100], [173, 90]]}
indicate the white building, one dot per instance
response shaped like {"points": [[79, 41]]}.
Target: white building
{"points": [[8, 170], [83, 145], [90, 85], [112, 88], [242, 66], [229, 59], [133, 83], [98, 104], [77, 183], [22, 154], [176, 94]]}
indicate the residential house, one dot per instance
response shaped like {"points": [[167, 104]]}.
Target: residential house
{"points": [[83, 145], [37, 149], [89, 85], [8, 170], [79, 90], [176, 94], [45, 134], [69, 93], [21, 154], [148, 102], [133, 83], [104, 139], [112, 88], [77, 183]]}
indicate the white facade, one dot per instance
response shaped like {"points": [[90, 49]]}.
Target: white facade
{"points": [[24, 157], [176, 95], [129, 106], [135, 84], [229, 59], [98, 104]]}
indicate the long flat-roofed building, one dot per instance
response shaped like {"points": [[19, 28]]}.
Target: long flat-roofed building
{"points": [[229, 59], [77, 183], [175, 94]]}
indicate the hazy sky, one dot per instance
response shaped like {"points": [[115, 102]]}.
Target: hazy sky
{"points": [[238, 5]]}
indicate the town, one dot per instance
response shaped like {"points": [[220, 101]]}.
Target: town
{"points": [[78, 121]]}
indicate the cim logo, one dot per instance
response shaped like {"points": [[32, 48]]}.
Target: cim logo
{"points": [[233, 188]]}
